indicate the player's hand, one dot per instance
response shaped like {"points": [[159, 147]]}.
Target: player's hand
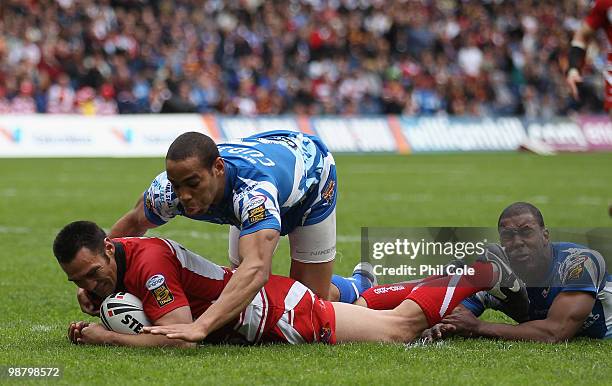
{"points": [[465, 323], [190, 332], [94, 333], [88, 302], [438, 332], [573, 78], [74, 331]]}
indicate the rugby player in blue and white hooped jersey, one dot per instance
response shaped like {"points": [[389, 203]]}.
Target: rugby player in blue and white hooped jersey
{"points": [[568, 286], [265, 186]]}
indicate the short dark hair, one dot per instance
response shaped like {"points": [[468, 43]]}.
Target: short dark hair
{"points": [[76, 235], [519, 208], [193, 144]]}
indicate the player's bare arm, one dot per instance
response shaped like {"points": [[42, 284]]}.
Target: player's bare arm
{"points": [[133, 223], [96, 334], [565, 317], [256, 250], [578, 48]]}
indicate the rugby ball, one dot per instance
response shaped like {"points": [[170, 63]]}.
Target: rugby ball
{"points": [[122, 312]]}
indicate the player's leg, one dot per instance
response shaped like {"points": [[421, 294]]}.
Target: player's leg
{"points": [[418, 305], [313, 250], [360, 324]]}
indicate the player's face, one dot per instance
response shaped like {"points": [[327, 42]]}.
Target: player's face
{"points": [[526, 244], [196, 187], [94, 271]]}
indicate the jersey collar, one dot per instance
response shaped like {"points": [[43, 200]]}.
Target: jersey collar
{"points": [[120, 261]]}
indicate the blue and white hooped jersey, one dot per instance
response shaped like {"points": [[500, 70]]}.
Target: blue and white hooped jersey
{"points": [[273, 180], [574, 268]]}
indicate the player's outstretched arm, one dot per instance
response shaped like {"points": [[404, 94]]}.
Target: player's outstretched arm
{"points": [[565, 316], [133, 223], [256, 250], [96, 334]]}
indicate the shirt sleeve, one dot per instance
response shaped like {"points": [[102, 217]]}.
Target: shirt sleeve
{"points": [[160, 282], [475, 304], [582, 270], [258, 208], [160, 202]]}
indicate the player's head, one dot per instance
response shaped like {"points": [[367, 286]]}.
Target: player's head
{"points": [[196, 171], [526, 240], [87, 256]]}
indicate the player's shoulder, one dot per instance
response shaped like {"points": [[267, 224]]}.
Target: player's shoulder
{"points": [[576, 260], [161, 179], [568, 251], [161, 186], [146, 248]]}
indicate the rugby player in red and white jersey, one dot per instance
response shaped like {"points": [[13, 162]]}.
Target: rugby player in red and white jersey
{"points": [[600, 16], [176, 286]]}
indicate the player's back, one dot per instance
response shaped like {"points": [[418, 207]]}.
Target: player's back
{"points": [[292, 162]]}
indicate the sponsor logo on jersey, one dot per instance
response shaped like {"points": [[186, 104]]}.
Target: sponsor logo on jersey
{"points": [[285, 140], [328, 191], [325, 334], [256, 208], [393, 288], [149, 202], [572, 268], [255, 201], [163, 295], [257, 214], [157, 285], [155, 281]]}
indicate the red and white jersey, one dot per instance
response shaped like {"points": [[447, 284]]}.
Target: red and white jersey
{"points": [[165, 276], [600, 16]]}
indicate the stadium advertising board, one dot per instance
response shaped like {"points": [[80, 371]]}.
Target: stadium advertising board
{"points": [[433, 134], [597, 132], [81, 136], [150, 135], [558, 134]]}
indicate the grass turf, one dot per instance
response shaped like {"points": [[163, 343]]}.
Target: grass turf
{"points": [[39, 196]]}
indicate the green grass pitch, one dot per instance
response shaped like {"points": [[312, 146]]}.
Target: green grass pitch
{"points": [[37, 197]]}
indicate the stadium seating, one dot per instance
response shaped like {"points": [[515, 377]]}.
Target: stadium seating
{"points": [[302, 56]]}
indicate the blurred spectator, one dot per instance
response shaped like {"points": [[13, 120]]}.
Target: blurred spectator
{"points": [[105, 104], [5, 104], [410, 57], [61, 96], [24, 103]]}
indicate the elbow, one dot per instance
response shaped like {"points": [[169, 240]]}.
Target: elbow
{"points": [[553, 339], [262, 275], [554, 336]]}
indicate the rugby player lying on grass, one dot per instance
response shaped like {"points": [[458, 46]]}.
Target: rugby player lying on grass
{"points": [[283, 311], [569, 289]]}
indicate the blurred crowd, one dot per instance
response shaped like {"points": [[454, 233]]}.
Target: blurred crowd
{"points": [[250, 57]]}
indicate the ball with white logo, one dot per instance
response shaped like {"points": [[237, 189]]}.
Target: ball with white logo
{"points": [[123, 313]]}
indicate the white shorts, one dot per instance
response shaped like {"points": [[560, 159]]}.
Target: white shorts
{"points": [[309, 244]]}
